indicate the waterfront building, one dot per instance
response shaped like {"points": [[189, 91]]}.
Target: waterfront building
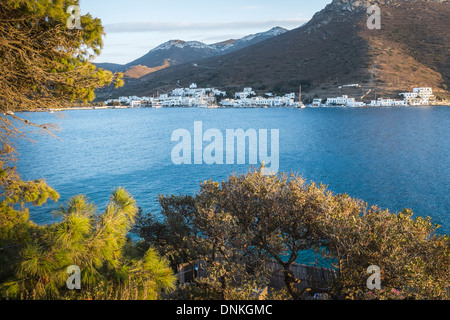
{"points": [[247, 92], [287, 100], [381, 102], [419, 96], [316, 103], [344, 101], [207, 97]]}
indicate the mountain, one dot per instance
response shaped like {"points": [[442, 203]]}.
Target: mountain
{"points": [[229, 46], [178, 51], [333, 49]]}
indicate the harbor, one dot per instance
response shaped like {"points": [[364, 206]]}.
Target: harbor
{"points": [[194, 97], [212, 98]]}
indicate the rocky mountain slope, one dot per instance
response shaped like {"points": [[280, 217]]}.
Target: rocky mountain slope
{"points": [[178, 51], [335, 48]]}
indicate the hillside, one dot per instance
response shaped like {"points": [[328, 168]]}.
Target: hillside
{"points": [[178, 51], [139, 71], [333, 49]]}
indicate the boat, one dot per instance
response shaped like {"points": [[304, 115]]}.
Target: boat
{"points": [[299, 105], [300, 102]]}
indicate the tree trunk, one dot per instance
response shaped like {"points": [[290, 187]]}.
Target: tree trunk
{"points": [[290, 280], [224, 288]]}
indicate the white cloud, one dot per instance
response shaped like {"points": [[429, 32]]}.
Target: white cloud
{"points": [[133, 27]]}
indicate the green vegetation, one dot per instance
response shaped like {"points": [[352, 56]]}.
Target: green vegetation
{"points": [[233, 230], [114, 104], [110, 263], [44, 65], [238, 226]]}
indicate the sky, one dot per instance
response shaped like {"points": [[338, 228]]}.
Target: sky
{"points": [[134, 27]]}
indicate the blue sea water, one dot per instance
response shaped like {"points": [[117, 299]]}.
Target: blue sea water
{"points": [[392, 157]]}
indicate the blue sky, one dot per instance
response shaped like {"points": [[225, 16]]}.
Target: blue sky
{"points": [[134, 27]]}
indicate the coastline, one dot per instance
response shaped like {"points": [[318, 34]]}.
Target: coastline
{"points": [[222, 108], [51, 110]]}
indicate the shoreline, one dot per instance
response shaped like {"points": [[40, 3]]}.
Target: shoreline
{"points": [[222, 108]]}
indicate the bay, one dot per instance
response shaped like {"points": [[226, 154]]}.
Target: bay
{"points": [[391, 157]]}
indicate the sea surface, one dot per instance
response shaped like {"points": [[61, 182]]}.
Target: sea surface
{"points": [[391, 157]]}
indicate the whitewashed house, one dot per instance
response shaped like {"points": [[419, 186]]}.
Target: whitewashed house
{"points": [[340, 101], [316, 103], [247, 92], [418, 97], [381, 102]]}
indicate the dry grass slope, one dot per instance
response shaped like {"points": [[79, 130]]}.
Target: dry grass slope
{"points": [[139, 71]]}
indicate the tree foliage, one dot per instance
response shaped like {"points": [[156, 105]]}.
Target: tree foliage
{"points": [[98, 245], [239, 226], [236, 227], [44, 64], [414, 259]]}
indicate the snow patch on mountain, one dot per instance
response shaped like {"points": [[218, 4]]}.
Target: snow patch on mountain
{"points": [[223, 46], [182, 45]]}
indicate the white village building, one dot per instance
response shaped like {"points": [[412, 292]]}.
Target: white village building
{"points": [[316, 103], [244, 100], [247, 92], [419, 96], [344, 101], [381, 102]]}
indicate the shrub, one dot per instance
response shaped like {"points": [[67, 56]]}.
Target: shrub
{"points": [[239, 225]]}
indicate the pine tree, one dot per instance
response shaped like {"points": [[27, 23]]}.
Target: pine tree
{"points": [[45, 64], [98, 245]]}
